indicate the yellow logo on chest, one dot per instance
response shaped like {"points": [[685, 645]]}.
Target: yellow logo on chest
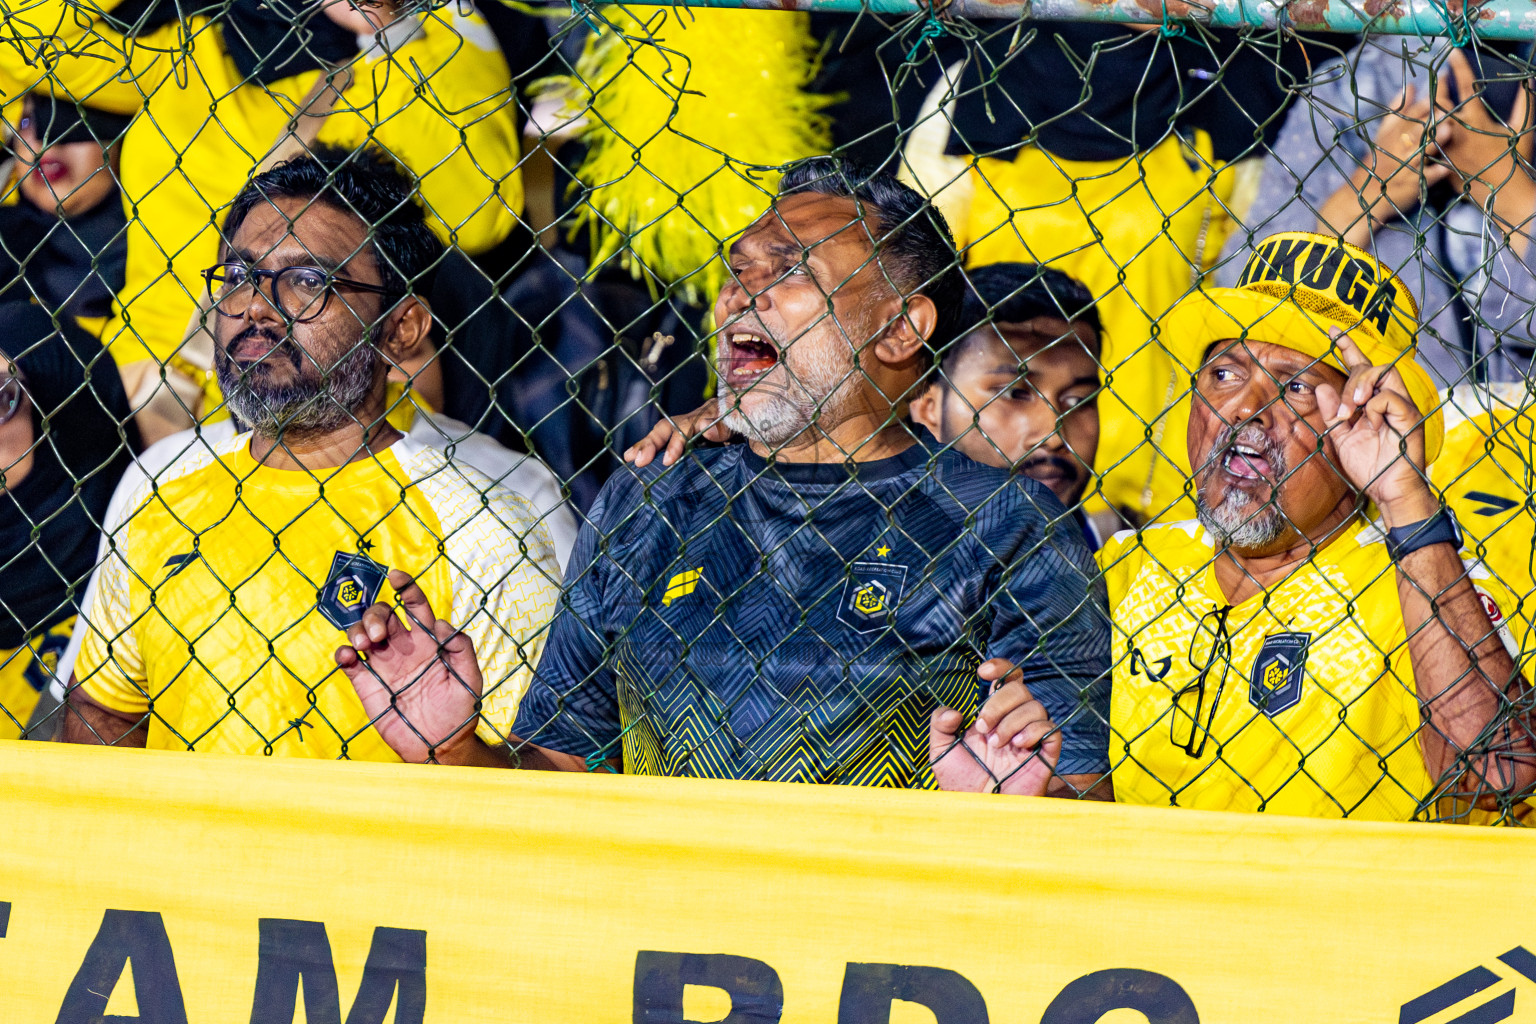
{"points": [[869, 599], [1274, 674], [681, 585]]}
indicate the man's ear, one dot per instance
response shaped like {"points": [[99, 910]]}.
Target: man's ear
{"points": [[412, 354], [407, 336], [925, 408], [904, 337]]}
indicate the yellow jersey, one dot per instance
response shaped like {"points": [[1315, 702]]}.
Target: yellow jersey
{"points": [[1485, 473], [221, 603], [1137, 232], [1309, 690]]}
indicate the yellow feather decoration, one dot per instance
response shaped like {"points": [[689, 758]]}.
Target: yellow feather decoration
{"points": [[690, 115]]}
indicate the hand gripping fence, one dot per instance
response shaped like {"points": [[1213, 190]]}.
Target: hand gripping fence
{"points": [[739, 385]]}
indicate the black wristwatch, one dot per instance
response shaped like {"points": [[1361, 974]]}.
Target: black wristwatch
{"points": [[1440, 528]]}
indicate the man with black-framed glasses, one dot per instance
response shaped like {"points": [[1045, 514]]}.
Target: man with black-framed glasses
{"points": [[237, 571], [1314, 644]]}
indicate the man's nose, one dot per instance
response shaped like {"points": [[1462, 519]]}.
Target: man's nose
{"points": [[262, 306], [1254, 403], [743, 292], [1042, 424]]}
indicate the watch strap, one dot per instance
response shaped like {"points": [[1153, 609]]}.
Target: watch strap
{"points": [[1440, 528]]}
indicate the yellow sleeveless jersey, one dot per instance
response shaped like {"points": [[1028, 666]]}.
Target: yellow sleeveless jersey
{"points": [[1137, 232], [1316, 711], [216, 611]]}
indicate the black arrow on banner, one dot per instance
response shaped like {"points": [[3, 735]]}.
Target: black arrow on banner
{"points": [[1463, 986]]}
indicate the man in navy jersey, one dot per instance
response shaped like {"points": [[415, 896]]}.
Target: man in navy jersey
{"points": [[829, 602]]}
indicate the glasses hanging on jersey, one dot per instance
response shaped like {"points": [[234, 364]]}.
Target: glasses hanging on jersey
{"points": [[300, 294], [1187, 730]]}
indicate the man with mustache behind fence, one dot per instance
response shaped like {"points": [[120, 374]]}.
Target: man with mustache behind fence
{"points": [[1315, 643], [218, 611]]}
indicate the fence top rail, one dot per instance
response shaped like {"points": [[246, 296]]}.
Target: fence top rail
{"points": [[1493, 19]]}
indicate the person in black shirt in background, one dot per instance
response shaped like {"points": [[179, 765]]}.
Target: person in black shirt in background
{"points": [[63, 242], [65, 438]]}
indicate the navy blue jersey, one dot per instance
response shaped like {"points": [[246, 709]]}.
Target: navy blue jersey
{"points": [[731, 618]]}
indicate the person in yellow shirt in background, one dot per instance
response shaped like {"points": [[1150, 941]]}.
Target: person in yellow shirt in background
{"points": [[1286, 653], [216, 97], [1487, 472], [232, 582]]}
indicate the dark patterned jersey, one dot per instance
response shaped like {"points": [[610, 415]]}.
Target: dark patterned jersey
{"points": [[731, 618]]}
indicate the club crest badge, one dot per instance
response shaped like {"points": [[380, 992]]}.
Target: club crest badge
{"points": [[352, 586], [871, 594], [1275, 684]]}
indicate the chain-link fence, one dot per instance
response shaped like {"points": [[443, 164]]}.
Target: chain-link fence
{"points": [[1085, 424]]}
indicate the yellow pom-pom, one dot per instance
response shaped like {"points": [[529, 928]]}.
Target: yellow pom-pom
{"points": [[691, 113]]}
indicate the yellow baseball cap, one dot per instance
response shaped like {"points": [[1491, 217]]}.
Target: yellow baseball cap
{"points": [[1295, 286]]}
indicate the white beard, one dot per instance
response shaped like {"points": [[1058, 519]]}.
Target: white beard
{"points": [[816, 391], [1233, 527]]}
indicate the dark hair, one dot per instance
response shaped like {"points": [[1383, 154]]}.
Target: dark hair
{"points": [[367, 184], [914, 246], [1011, 293]]}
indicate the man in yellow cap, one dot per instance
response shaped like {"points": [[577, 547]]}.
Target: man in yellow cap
{"points": [[1314, 643]]}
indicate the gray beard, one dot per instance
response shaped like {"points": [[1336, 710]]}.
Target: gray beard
{"points": [[819, 392], [304, 407], [779, 419], [1228, 521], [1233, 528]]}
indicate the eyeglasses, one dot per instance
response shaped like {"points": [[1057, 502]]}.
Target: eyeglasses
{"points": [[1186, 729], [300, 294], [10, 397]]}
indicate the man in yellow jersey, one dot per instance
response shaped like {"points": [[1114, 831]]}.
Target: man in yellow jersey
{"points": [[1314, 644], [231, 584]]}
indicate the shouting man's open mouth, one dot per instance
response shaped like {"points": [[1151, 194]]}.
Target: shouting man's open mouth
{"points": [[745, 356]]}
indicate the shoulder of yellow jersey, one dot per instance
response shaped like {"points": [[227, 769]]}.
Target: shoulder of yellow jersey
{"points": [[1123, 555], [472, 508], [164, 483], [1498, 420]]}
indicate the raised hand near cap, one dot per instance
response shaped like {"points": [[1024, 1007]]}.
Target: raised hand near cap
{"points": [[1402, 161], [419, 684], [1378, 435], [1012, 747]]}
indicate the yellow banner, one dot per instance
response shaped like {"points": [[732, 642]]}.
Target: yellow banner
{"points": [[200, 889]]}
